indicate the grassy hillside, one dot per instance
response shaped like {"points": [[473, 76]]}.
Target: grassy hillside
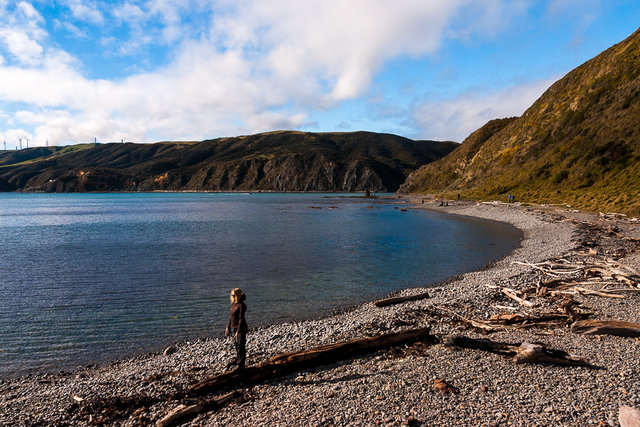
{"points": [[578, 144], [273, 161]]}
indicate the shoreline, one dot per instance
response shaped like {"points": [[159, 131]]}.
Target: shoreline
{"points": [[388, 387], [151, 340]]}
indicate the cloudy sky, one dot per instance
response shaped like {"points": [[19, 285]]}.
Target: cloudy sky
{"points": [[151, 70]]}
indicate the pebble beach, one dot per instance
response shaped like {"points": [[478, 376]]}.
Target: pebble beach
{"points": [[395, 386]]}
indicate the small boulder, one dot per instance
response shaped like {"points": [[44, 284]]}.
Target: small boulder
{"points": [[443, 386], [629, 417]]}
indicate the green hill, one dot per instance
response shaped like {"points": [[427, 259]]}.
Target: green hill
{"points": [[273, 161], [578, 144]]}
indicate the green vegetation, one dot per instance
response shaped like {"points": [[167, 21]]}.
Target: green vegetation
{"points": [[579, 144]]}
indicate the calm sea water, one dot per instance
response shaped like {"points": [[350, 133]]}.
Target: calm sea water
{"points": [[87, 278]]}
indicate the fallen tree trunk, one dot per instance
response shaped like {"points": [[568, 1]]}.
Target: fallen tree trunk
{"points": [[179, 415], [107, 410], [606, 327], [184, 413], [397, 300], [286, 363], [522, 352]]}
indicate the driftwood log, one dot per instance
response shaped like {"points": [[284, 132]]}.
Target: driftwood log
{"points": [[183, 413], [106, 410], [606, 327], [293, 361], [397, 300], [564, 315], [513, 295], [605, 272], [522, 352]]}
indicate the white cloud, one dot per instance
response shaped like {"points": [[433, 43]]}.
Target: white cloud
{"points": [[29, 11], [170, 13], [70, 28], [85, 11], [129, 13], [20, 33], [457, 118], [341, 44], [251, 66], [22, 47]]}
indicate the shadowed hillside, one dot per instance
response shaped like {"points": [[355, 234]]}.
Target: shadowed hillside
{"points": [[578, 144], [274, 161]]}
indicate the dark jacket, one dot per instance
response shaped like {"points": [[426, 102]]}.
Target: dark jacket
{"points": [[236, 317]]}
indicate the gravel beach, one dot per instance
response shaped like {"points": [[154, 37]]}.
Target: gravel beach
{"points": [[396, 386]]}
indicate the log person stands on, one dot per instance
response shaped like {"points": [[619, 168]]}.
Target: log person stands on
{"points": [[238, 325]]}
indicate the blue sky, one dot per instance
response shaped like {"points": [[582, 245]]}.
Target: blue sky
{"points": [[152, 70]]}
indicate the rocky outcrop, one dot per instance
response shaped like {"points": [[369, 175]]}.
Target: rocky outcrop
{"points": [[89, 180]]}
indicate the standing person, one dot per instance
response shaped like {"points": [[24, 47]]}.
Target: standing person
{"points": [[238, 326]]}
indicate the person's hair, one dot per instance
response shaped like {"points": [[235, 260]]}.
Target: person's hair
{"points": [[237, 292]]}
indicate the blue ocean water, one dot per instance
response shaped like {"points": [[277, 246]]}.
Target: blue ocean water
{"points": [[87, 278]]}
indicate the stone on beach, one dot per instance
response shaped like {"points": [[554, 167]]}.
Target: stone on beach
{"points": [[629, 417]]}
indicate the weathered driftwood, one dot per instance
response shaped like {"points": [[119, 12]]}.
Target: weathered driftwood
{"points": [[179, 415], [606, 327], [513, 295], [289, 362], [184, 413], [478, 324], [630, 269], [609, 271], [513, 321], [538, 353], [530, 320], [537, 267], [397, 300], [522, 352], [623, 290], [594, 282], [106, 410], [603, 293]]}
